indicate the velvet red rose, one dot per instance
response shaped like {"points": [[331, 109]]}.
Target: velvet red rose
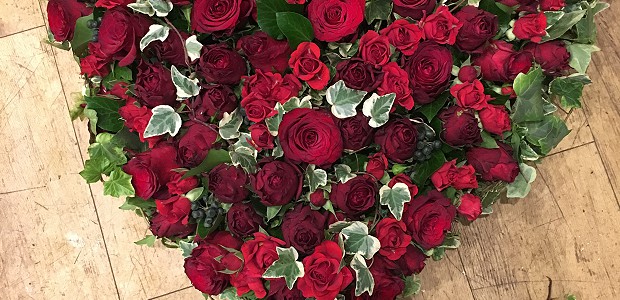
{"points": [[335, 19], [62, 16], [428, 217], [323, 278]]}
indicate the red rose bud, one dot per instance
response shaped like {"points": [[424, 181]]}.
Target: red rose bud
{"points": [[307, 66], [393, 237], [207, 19], [326, 279], [494, 164], [175, 209], [264, 52], [552, 5], [303, 228], [228, 183], [355, 196], [398, 139], [468, 74], [531, 27], [441, 26], [377, 164], [178, 186], [261, 138], [356, 133], [395, 80], [495, 119], [219, 64], [245, 282], [460, 127], [375, 48], [413, 189], [470, 95], [62, 16], [429, 70], [403, 35], [120, 33], [213, 101], [154, 85], [277, 183], [243, 220], [509, 91], [479, 26], [334, 19], [499, 62], [552, 56], [136, 119], [471, 207], [195, 144], [318, 198], [172, 49], [358, 74], [428, 218], [414, 9], [160, 227]]}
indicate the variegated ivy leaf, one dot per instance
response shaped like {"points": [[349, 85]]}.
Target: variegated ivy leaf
{"points": [[343, 173], [580, 56], [187, 248], [164, 120], [229, 125], [161, 7], [357, 240], [194, 194], [193, 47], [245, 158], [522, 184], [286, 267], [378, 109], [364, 281], [343, 100], [315, 178], [295, 102], [142, 6], [273, 123], [156, 33], [395, 198], [185, 87], [244, 141], [272, 212]]}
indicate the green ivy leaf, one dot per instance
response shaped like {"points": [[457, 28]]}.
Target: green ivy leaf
{"points": [[286, 266], [343, 173], [214, 158], [229, 125], [569, 89], [117, 74], [547, 133], [108, 117], [564, 22], [344, 100], [161, 7], [295, 102], [529, 104], [364, 281], [156, 33], [395, 198], [118, 185], [82, 36], [148, 240], [164, 120], [412, 286], [430, 110], [378, 109], [195, 193], [423, 170], [187, 248], [185, 87], [488, 141], [357, 240], [295, 27], [378, 10], [106, 147], [133, 203], [272, 212], [266, 15], [580, 56], [522, 184], [94, 168], [273, 123], [244, 157], [315, 178], [193, 47], [92, 118]]}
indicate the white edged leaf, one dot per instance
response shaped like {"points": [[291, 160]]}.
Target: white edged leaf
{"points": [[357, 240], [364, 281], [315, 177], [185, 87], [244, 157], [193, 47], [143, 7], [344, 100], [295, 102], [580, 56], [229, 125], [194, 194], [378, 109], [161, 7], [521, 187], [156, 33], [187, 248], [164, 120], [286, 266], [343, 173], [395, 198], [273, 123]]}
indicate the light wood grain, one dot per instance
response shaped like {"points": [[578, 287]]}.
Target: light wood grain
{"points": [[19, 15]]}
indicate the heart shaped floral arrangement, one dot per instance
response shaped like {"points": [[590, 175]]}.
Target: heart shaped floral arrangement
{"points": [[323, 148]]}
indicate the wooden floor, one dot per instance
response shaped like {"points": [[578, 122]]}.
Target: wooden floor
{"points": [[60, 238]]}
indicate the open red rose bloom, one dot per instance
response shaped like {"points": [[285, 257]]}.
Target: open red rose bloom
{"points": [[323, 148]]}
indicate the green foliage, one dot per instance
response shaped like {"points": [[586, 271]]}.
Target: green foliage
{"points": [[364, 281], [315, 178], [295, 27], [423, 170], [156, 33], [286, 266], [148, 240], [133, 203], [580, 56], [82, 35], [357, 240], [522, 184], [117, 74], [187, 248], [266, 15], [343, 173], [214, 158], [244, 157], [195, 193], [488, 141], [343, 99], [412, 286], [430, 110], [118, 185], [273, 123], [194, 47], [185, 86], [164, 120], [378, 109], [529, 104], [106, 108], [229, 125], [105, 146], [395, 198], [569, 89], [378, 10], [547, 133], [94, 168], [559, 22]]}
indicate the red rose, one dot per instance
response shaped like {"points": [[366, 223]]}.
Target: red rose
{"points": [[355, 196], [495, 119], [335, 19], [414, 9], [310, 136], [552, 5], [271, 86], [465, 178], [279, 291], [261, 138], [96, 63], [213, 101], [470, 95], [499, 62], [178, 186], [317, 198], [62, 16], [375, 48], [395, 80], [307, 66], [552, 56], [493, 164], [479, 26], [468, 74], [174, 209], [509, 91], [429, 70], [413, 261], [171, 49], [143, 179], [243, 220], [136, 119], [388, 284], [220, 16], [398, 139], [264, 52], [228, 183], [277, 183], [402, 178], [260, 253], [404, 36], [441, 26], [460, 127], [531, 27], [258, 109], [303, 228], [160, 227], [356, 132], [154, 85], [444, 176], [377, 164], [358, 74], [428, 218], [219, 64], [152, 170], [120, 32], [246, 282], [470, 207], [393, 237], [324, 279], [112, 3], [196, 143]]}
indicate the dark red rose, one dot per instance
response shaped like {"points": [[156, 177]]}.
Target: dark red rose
{"points": [[495, 119], [220, 16], [213, 101], [470, 95], [152, 170], [120, 32], [465, 178], [277, 183], [264, 52], [196, 143], [355, 196], [479, 26], [375, 48], [414, 9], [358, 74], [387, 284], [160, 227], [531, 27], [393, 237], [412, 261], [377, 164], [404, 36], [552, 5], [307, 66], [219, 64], [324, 279], [441, 26], [154, 85], [243, 220], [402, 178], [178, 186], [258, 109], [260, 253], [228, 183], [459, 127], [499, 62], [246, 282], [335, 19], [470, 207], [171, 49], [271, 86], [136, 119], [303, 228], [310, 136], [428, 217], [429, 70], [96, 63], [62, 16], [174, 209], [552, 56], [112, 3], [468, 73], [356, 132], [493, 164], [523, 5], [261, 138], [458, 177], [396, 80], [397, 139], [317, 198], [279, 291]]}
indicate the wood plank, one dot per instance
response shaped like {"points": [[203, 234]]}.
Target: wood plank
{"points": [[19, 15], [52, 245], [189, 293]]}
